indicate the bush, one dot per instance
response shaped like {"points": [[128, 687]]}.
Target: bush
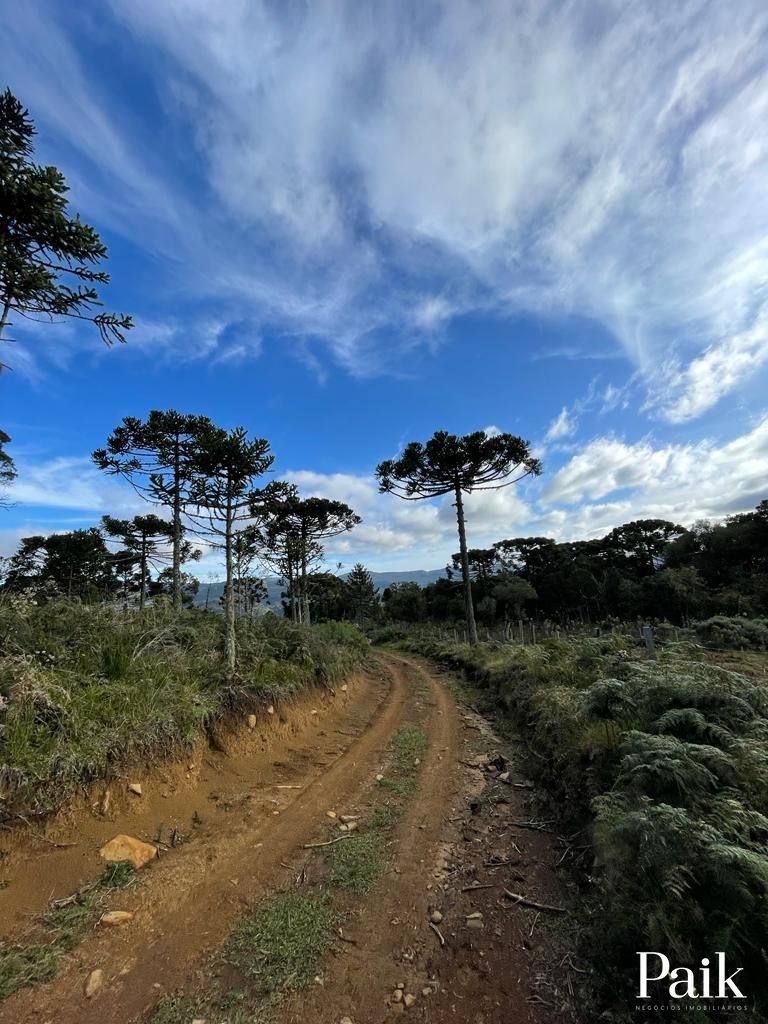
{"points": [[734, 633]]}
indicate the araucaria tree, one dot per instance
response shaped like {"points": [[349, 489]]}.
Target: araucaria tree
{"points": [[447, 464], [142, 538], [48, 259], [158, 457], [227, 464]]}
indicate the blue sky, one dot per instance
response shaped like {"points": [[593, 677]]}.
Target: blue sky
{"points": [[346, 225]]}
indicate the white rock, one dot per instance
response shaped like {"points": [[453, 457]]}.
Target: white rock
{"points": [[435, 917], [409, 999], [251, 720], [135, 788], [351, 826], [331, 814], [379, 777], [397, 996], [271, 709], [344, 688]]}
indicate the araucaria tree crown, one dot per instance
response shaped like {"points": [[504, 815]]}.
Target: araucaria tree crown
{"points": [[448, 464]]}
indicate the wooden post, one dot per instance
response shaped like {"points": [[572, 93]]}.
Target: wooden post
{"points": [[650, 644], [533, 632]]}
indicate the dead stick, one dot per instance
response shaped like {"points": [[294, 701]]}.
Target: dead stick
{"points": [[532, 903], [486, 885], [437, 932], [316, 846]]}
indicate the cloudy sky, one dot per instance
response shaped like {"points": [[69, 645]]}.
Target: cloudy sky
{"points": [[346, 225]]}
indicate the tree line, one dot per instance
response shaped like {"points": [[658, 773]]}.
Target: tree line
{"points": [[651, 568]]}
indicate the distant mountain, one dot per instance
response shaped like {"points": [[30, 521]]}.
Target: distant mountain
{"points": [[210, 593]]}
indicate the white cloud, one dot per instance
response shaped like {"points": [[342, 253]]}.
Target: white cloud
{"points": [[675, 481], [71, 483], [564, 425], [687, 392], [370, 166]]}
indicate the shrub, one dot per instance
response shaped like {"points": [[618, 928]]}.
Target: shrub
{"points": [[734, 633]]}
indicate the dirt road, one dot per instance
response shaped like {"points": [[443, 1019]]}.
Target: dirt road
{"points": [[271, 799]]}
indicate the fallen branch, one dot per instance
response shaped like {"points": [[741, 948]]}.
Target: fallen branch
{"points": [[330, 842], [437, 932], [526, 902], [537, 826], [486, 885]]}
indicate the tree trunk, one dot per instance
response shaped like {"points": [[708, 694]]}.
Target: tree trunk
{"points": [[230, 649], [468, 606], [143, 591], [304, 594], [176, 584]]}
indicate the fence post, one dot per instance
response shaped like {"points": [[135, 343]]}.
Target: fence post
{"points": [[650, 644]]}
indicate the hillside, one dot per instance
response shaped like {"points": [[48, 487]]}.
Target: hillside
{"points": [[210, 593]]}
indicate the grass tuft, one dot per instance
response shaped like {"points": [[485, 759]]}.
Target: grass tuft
{"points": [[357, 865], [280, 947]]}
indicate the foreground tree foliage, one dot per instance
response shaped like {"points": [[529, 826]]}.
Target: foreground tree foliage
{"points": [[48, 259], [447, 464]]}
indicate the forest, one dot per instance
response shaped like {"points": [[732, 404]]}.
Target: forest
{"points": [[648, 765]]}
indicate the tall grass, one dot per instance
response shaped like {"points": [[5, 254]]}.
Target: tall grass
{"points": [[83, 688]]}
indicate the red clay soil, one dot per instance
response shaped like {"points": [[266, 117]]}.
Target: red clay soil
{"points": [[497, 973], [194, 895]]}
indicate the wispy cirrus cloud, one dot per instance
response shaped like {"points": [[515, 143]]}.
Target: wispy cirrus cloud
{"points": [[363, 167]]}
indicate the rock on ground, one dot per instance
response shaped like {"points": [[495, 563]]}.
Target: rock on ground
{"points": [[137, 852]]}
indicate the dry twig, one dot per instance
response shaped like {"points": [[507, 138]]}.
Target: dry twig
{"points": [[526, 902]]}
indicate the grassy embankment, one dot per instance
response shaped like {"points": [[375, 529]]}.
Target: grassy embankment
{"points": [[663, 766], [84, 689]]}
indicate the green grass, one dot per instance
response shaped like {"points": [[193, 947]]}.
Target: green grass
{"points": [[280, 947], [119, 875], [87, 687], [357, 864], [408, 745], [22, 966]]}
